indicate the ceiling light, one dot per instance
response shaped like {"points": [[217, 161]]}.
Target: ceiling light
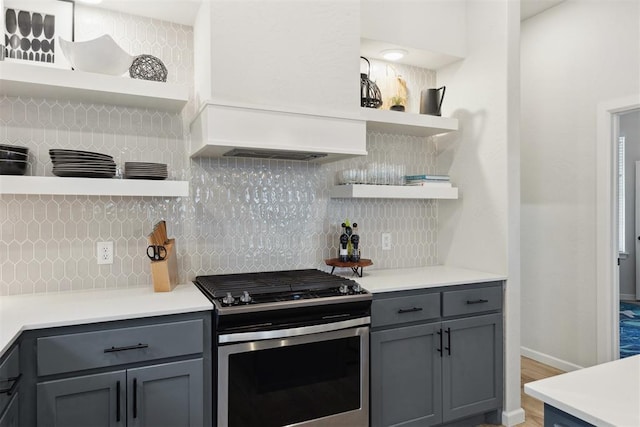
{"points": [[393, 54]]}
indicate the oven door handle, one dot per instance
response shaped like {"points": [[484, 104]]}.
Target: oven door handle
{"points": [[292, 332]]}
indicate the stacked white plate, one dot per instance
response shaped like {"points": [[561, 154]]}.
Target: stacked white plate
{"points": [[144, 170], [82, 164]]}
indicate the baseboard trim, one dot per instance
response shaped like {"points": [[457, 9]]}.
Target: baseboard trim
{"points": [[513, 418], [628, 297], [563, 365]]}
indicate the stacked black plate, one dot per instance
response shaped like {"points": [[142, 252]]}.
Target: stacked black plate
{"points": [[144, 170], [82, 164], [13, 159]]}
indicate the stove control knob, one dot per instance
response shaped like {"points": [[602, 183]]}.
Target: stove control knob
{"points": [[229, 299], [356, 288], [344, 289], [245, 297]]}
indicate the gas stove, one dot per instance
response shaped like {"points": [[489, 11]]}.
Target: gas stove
{"points": [[266, 326], [255, 292]]}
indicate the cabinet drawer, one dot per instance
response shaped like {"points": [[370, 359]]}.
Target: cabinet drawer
{"points": [[96, 349], [9, 371], [391, 311], [469, 301]]}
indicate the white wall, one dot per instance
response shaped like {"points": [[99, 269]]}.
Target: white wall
{"points": [[481, 229], [630, 129], [574, 56], [295, 54], [472, 230], [434, 25]]}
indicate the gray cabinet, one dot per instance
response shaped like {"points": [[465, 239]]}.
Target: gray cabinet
{"points": [[135, 373], [554, 417], [405, 364], [11, 415], [90, 400], [168, 394], [10, 379], [472, 366], [436, 356]]}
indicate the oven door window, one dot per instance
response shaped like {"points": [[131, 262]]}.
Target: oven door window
{"points": [[291, 384]]}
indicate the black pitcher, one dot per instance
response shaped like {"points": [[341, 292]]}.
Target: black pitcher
{"points": [[431, 101]]}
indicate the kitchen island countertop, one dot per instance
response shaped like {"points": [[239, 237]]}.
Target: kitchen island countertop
{"points": [[35, 311], [403, 279], [604, 395]]}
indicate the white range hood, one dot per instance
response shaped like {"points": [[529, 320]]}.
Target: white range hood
{"points": [[235, 130]]}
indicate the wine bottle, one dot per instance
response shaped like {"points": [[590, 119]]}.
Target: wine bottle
{"points": [[343, 253], [355, 242]]}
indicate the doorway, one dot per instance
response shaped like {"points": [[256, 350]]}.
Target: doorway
{"points": [[607, 229], [628, 213], [628, 202]]}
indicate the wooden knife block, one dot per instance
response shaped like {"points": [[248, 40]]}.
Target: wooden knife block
{"points": [[165, 273]]}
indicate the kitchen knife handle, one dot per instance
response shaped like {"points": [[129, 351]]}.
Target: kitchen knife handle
{"points": [[477, 301], [129, 347], [409, 310], [118, 401], [135, 398]]}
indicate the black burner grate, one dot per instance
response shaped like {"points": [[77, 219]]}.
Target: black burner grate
{"points": [[301, 282]]}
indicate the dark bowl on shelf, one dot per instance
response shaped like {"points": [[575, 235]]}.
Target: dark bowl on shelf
{"points": [[12, 155], [13, 167], [16, 148]]}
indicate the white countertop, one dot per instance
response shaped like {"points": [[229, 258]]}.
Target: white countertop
{"points": [[35, 311], [605, 395], [403, 279]]}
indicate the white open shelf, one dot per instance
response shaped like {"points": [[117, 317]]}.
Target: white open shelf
{"points": [[407, 123], [371, 191], [53, 185], [46, 82]]}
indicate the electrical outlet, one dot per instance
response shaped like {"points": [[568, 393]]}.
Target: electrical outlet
{"points": [[386, 241], [104, 252]]}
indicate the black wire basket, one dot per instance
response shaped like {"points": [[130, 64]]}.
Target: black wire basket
{"points": [[148, 67]]}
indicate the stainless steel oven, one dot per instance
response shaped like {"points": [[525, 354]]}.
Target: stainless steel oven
{"points": [[296, 355], [310, 376]]}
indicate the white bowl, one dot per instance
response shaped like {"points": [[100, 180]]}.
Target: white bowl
{"points": [[102, 55]]}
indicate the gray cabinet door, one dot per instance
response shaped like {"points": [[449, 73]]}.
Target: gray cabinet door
{"points": [[406, 370], [86, 401], [168, 394], [472, 366], [11, 416]]}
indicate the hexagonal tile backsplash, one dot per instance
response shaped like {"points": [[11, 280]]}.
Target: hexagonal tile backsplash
{"points": [[241, 215]]}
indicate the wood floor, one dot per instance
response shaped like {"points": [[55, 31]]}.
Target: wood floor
{"points": [[530, 370]]}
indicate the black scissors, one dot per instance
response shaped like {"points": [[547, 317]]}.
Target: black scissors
{"points": [[156, 252]]}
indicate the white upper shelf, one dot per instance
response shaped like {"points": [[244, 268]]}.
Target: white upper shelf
{"points": [[369, 191], [53, 185], [35, 81], [407, 123]]}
